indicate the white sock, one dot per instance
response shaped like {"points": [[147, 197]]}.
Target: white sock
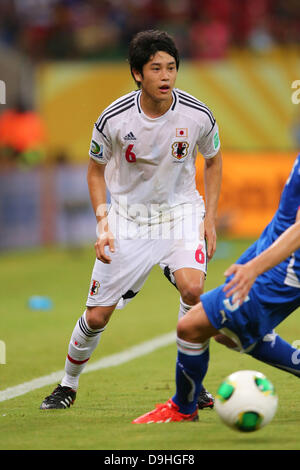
{"points": [[183, 308], [83, 342]]}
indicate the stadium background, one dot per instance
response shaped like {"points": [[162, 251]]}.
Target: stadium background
{"points": [[64, 61]]}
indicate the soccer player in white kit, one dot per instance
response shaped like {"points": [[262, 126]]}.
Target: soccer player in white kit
{"points": [[143, 151]]}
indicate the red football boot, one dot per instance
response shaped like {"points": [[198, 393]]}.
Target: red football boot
{"points": [[165, 413]]}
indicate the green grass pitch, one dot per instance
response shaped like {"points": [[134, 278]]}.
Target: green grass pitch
{"points": [[36, 344]]}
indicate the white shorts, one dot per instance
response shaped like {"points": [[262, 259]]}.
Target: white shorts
{"points": [[172, 245]]}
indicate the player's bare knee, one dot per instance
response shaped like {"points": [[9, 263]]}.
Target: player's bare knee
{"points": [[187, 332], [195, 325], [190, 294], [183, 330], [98, 317], [189, 328]]}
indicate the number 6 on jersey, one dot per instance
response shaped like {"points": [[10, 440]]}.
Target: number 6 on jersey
{"points": [[129, 154]]}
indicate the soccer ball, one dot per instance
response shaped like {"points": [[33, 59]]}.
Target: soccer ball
{"points": [[246, 400]]}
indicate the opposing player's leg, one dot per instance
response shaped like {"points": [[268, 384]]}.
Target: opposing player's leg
{"points": [[190, 283], [272, 350], [186, 270], [277, 352], [193, 333]]}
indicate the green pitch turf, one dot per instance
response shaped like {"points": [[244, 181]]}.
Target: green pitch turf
{"points": [[109, 399]]}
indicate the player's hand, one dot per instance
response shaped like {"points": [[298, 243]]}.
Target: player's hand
{"points": [[105, 239], [211, 238], [241, 283]]}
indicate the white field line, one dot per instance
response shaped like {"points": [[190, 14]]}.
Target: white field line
{"points": [[109, 361]]}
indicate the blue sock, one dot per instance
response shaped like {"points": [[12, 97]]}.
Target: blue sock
{"points": [[190, 371], [273, 350]]}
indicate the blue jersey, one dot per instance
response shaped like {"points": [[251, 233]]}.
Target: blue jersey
{"points": [[275, 293], [286, 273]]}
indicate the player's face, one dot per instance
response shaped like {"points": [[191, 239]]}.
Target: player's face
{"points": [[159, 76]]}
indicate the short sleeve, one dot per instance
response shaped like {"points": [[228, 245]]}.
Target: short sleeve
{"points": [[209, 140], [100, 148]]}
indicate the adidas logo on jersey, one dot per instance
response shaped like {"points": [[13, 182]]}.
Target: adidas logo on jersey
{"points": [[130, 136]]}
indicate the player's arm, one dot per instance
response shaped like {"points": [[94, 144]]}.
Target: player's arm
{"points": [[212, 186], [97, 190], [245, 275]]}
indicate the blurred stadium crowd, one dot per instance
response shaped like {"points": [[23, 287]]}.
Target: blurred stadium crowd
{"points": [[95, 29]]}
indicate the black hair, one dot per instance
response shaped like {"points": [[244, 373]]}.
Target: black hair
{"points": [[145, 44]]}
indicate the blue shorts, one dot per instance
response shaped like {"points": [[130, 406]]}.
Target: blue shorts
{"points": [[257, 316]]}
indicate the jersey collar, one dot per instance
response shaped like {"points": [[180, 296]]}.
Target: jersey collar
{"points": [[172, 108]]}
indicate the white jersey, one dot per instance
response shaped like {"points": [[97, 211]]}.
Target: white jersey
{"points": [[150, 163]]}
